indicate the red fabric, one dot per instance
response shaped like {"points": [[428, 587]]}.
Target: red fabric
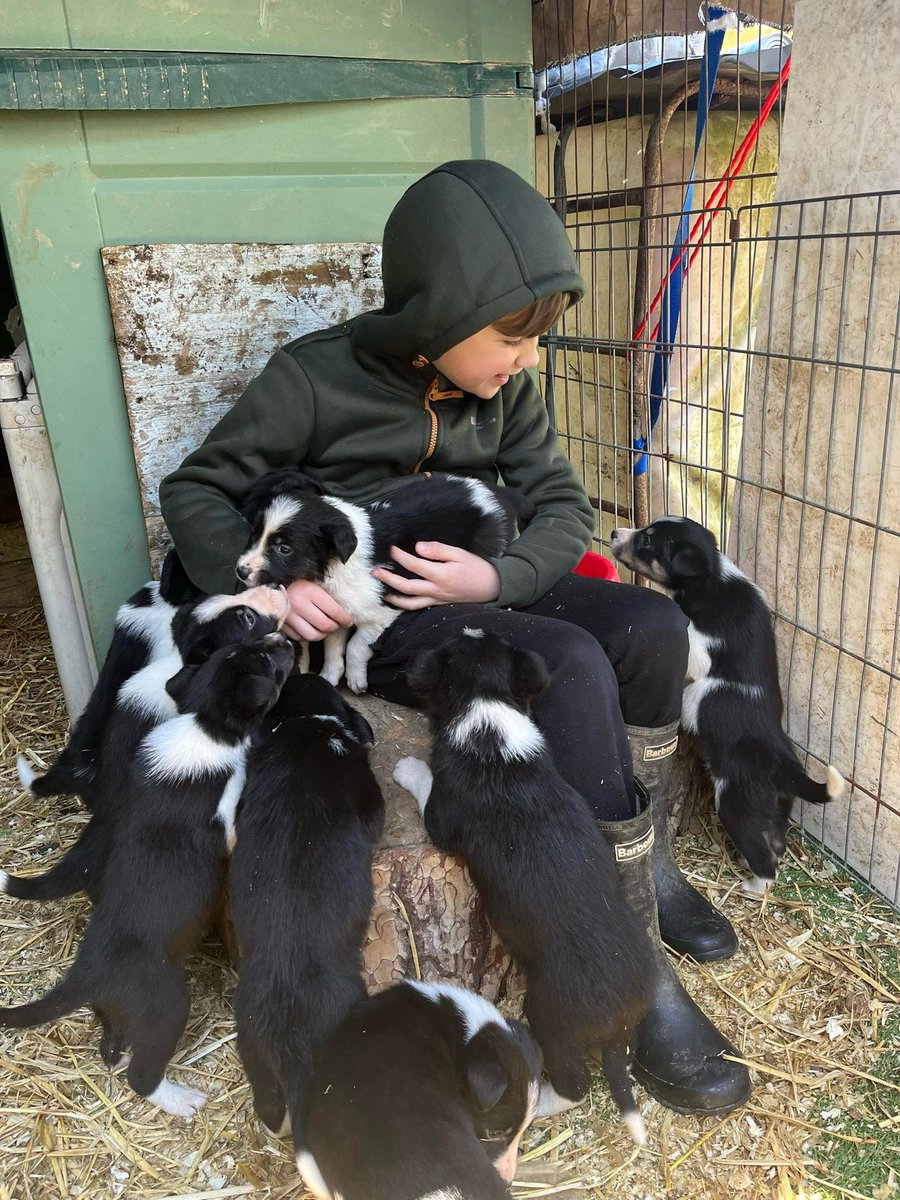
{"points": [[595, 566]]}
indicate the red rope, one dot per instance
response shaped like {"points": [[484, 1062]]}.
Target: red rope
{"points": [[717, 198]]}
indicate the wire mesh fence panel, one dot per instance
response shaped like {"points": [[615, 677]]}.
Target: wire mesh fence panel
{"points": [[755, 393], [816, 519]]}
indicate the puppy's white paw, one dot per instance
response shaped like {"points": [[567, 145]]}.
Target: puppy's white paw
{"points": [[312, 1176], [27, 773], [358, 678], [333, 672], [551, 1102], [176, 1100], [757, 886], [415, 776]]}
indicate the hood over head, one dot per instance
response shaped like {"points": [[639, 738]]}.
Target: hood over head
{"points": [[465, 245]]}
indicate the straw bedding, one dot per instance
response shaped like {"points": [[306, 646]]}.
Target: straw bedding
{"points": [[808, 1001]]}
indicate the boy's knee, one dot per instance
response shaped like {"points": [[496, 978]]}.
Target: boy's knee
{"points": [[659, 617], [573, 653]]}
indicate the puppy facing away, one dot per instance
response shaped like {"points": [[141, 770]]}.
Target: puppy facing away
{"points": [[732, 701], [197, 629], [300, 534], [423, 1093], [301, 890], [546, 877], [142, 634], [166, 867]]}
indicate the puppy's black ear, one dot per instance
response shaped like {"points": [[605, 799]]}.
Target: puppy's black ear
{"points": [[198, 649], [340, 535], [255, 695], [530, 674], [688, 562], [487, 1082], [179, 685], [359, 727], [426, 674], [287, 481]]}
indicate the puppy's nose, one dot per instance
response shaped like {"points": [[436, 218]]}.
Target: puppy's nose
{"points": [[242, 571], [614, 536]]}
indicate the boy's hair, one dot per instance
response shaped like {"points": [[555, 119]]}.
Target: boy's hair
{"points": [[535, 318]]}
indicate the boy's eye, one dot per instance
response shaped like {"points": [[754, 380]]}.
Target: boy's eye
{"points": [[514, 345]]}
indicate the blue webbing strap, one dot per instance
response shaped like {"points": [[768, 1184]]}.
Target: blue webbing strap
{"points": [[670, 307]]}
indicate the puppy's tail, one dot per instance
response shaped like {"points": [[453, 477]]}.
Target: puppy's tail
{"points": [[796, 782], [73, 771], [58, 1002], [615, 1068], [73, 873]]}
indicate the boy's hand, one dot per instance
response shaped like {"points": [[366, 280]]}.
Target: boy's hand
{"points": [[445, 575], [314, 614]]}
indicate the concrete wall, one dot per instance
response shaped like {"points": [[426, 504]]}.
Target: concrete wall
{"points": [[818, 514]]}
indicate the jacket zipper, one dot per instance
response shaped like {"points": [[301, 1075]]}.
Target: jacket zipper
{"points": [[434, 394]]}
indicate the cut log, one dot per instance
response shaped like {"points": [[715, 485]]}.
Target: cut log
{"points": [[427, 920]]}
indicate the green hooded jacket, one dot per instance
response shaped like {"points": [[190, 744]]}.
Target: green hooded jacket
{"points": [[360, 408]]}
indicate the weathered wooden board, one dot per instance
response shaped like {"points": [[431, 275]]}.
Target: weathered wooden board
{"points": [[194, 323]]}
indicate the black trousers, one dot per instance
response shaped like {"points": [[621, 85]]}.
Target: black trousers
{"points": [[617, 656]]}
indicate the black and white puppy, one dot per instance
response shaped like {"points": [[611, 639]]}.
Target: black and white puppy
{"points": [[166, 867], [546, 877], [300, 534], [423, 1093], [732, 701], [301, 890], [142, 634], [197, 629]]}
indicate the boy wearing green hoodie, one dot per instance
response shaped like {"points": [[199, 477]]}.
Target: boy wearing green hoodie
{"points": [[476, 266]]}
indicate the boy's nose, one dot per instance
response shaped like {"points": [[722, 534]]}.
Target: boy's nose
{"points": [[528, 356]]}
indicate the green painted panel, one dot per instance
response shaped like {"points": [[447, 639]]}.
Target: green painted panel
{"points": [[35, 23], [71, 80], [419, 30], [70, 183], [355, 139]]}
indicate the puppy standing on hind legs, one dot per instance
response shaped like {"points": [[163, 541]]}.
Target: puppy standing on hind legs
{"points": [[733, 701], [547, 878], [198, 629], [166, 867], [301, 891]]}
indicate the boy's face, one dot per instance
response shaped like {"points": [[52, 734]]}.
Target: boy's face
{"points": [[484, 362]]}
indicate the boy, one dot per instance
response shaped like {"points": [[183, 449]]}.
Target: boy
{"points": [[476, 266]]}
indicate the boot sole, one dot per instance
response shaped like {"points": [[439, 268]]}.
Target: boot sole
{"points": [[649, 1084], [716, 955]]}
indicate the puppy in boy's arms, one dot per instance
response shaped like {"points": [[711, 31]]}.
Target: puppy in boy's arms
{"points": [[546, 877], [166, 867], [300, 890], [196, 630], [423, 1093], [733, 700], [298, 533]]}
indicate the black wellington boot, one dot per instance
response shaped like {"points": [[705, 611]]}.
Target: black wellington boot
{"points": [[688, 923], [677, 1056]]}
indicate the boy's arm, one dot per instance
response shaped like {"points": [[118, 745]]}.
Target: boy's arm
{"points": [[268, 427], [531, 459]]}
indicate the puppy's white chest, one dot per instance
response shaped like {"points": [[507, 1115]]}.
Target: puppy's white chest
{"points": [[700, 646]]}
